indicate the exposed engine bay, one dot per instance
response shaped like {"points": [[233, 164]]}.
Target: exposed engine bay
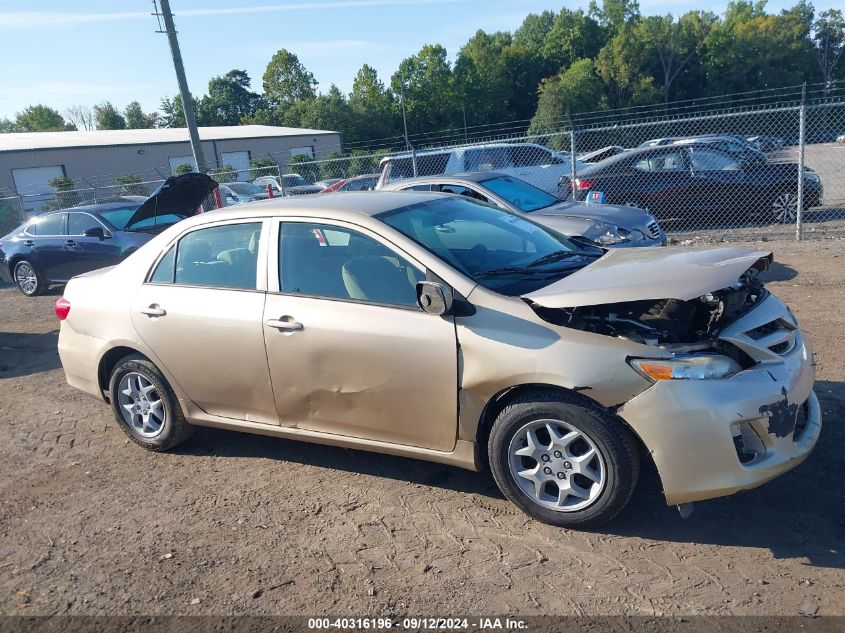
{"points": [[664, 321]]}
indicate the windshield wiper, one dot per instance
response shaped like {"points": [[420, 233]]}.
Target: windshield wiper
{"points": [[521, 271], [558, 255]]}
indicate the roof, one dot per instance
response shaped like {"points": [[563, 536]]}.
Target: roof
{"points": [[97, 138]]}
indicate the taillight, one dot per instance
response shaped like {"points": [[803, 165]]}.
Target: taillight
{"points": [[62, 308], [581, 185]]}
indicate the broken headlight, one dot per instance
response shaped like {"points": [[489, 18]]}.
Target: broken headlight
{"points": [[605, 234], [687, 367]]}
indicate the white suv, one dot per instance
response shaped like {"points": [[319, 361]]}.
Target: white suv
{"points": [[542, 167]]}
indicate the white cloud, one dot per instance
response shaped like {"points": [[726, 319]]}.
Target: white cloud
{"points": [[54, 19]]}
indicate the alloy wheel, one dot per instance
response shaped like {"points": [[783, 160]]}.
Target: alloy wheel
{"points": [[25, 278], [556, 465], [141, 405], [785, 208]]}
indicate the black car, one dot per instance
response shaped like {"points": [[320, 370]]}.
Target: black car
{"points": [[55, 246], [699, 179]]}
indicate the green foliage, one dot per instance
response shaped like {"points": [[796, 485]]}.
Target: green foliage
{"points": [[11, 216], [130, 185], [286, 80], [334, 165], [7, 126], [229, 100], [40, 118], [108, 118], [373, 110], [65, 196], [262, 167], [431, 101], [136, 119], [224, 173], [305, 167], [172, 112], [184, 168]]}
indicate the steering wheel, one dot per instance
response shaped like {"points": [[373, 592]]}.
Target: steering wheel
{"points": [[477, 254]]}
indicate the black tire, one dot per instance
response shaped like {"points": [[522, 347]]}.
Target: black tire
{"points": [[174, 429], [613, 441], [41, 284]]}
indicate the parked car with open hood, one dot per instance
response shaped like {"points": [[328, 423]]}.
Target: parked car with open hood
{"points": [[53, 247], [436, 327], [607, 225], [699, 179]]}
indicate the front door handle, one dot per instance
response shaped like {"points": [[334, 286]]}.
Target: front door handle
{"points": [[286, 324], [153, 311], [70, 243], [29, 243]]}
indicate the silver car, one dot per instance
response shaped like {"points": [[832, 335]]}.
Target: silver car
{"points": [[608, 225], [439, 328]]}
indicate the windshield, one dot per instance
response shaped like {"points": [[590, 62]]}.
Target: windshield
{"points": [[294, 180], [495, 248], [245, 188], [525, 197]]}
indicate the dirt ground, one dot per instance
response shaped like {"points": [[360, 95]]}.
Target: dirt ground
{"points": [[233, 523]]}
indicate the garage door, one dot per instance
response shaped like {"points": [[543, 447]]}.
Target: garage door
{"points": [[238, 160], [32, 184]]}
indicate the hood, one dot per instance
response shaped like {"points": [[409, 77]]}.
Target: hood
{"points": [[644, 273], [180, 195], [566, 224], [626, 217]]}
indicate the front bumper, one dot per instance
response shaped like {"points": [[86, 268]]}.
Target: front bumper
{"points": [[687, 426]]}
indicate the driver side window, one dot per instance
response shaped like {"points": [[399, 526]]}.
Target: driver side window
{"points": [[322, 260]]}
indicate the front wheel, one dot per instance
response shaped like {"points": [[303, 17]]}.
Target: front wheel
{"points": [[28, 280], [563, 459], [145, 406]]}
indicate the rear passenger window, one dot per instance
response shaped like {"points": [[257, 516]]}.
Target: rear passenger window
{"points": [[219, 256], [48, 225]]}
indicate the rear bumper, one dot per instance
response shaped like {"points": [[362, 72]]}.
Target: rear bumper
{"points": [[687, 426], [5, 270], [80, 356]]}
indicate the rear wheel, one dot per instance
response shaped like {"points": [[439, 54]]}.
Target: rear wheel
{"points": [[28, 280], [785, 207], [145, 406], [563, 459]]}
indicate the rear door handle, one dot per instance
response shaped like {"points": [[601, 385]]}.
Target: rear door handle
{"points": [[153, 311], [70, 243], [29, 243], [282, 324]]}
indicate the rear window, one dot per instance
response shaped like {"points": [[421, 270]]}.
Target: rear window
{"points": [[47, 225]]}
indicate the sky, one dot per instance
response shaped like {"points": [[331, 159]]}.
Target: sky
{"points": [[88, 51]]}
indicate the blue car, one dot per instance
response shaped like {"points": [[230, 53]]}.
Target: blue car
{"points": [[55, 246]]}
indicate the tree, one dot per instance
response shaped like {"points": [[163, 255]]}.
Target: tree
{"points": [[431, 101], [829, 41], [136, 119], [334, 165], [741, 50], [172, 112], [574, 35], [614, 15], [7, 126], [184, 168], [81, 116], [672, 45], [481, 80], [229, 100], [262, 166], [130, 185], [224, 173], [372, 108], [40, 118], [108, 118], [66, 194], [534, 30], [286, 80], [577, 89], [328, 111], [620, 63]]}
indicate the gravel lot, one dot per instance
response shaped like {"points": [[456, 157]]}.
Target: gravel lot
{"points": [[232, 523]]}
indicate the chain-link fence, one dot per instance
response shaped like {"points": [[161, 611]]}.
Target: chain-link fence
{"points": [[774, 170]]}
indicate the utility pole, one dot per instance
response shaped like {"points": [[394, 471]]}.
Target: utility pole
{"points": [[187, 101], [402, 102]]}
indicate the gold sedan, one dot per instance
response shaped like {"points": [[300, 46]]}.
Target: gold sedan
{"points": [[435, 327]]}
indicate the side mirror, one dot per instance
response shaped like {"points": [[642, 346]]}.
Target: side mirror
{"points": [[434, 297], [96, 231]]}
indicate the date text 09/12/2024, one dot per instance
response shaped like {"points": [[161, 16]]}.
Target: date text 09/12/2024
{"points": [[418, 624]]}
